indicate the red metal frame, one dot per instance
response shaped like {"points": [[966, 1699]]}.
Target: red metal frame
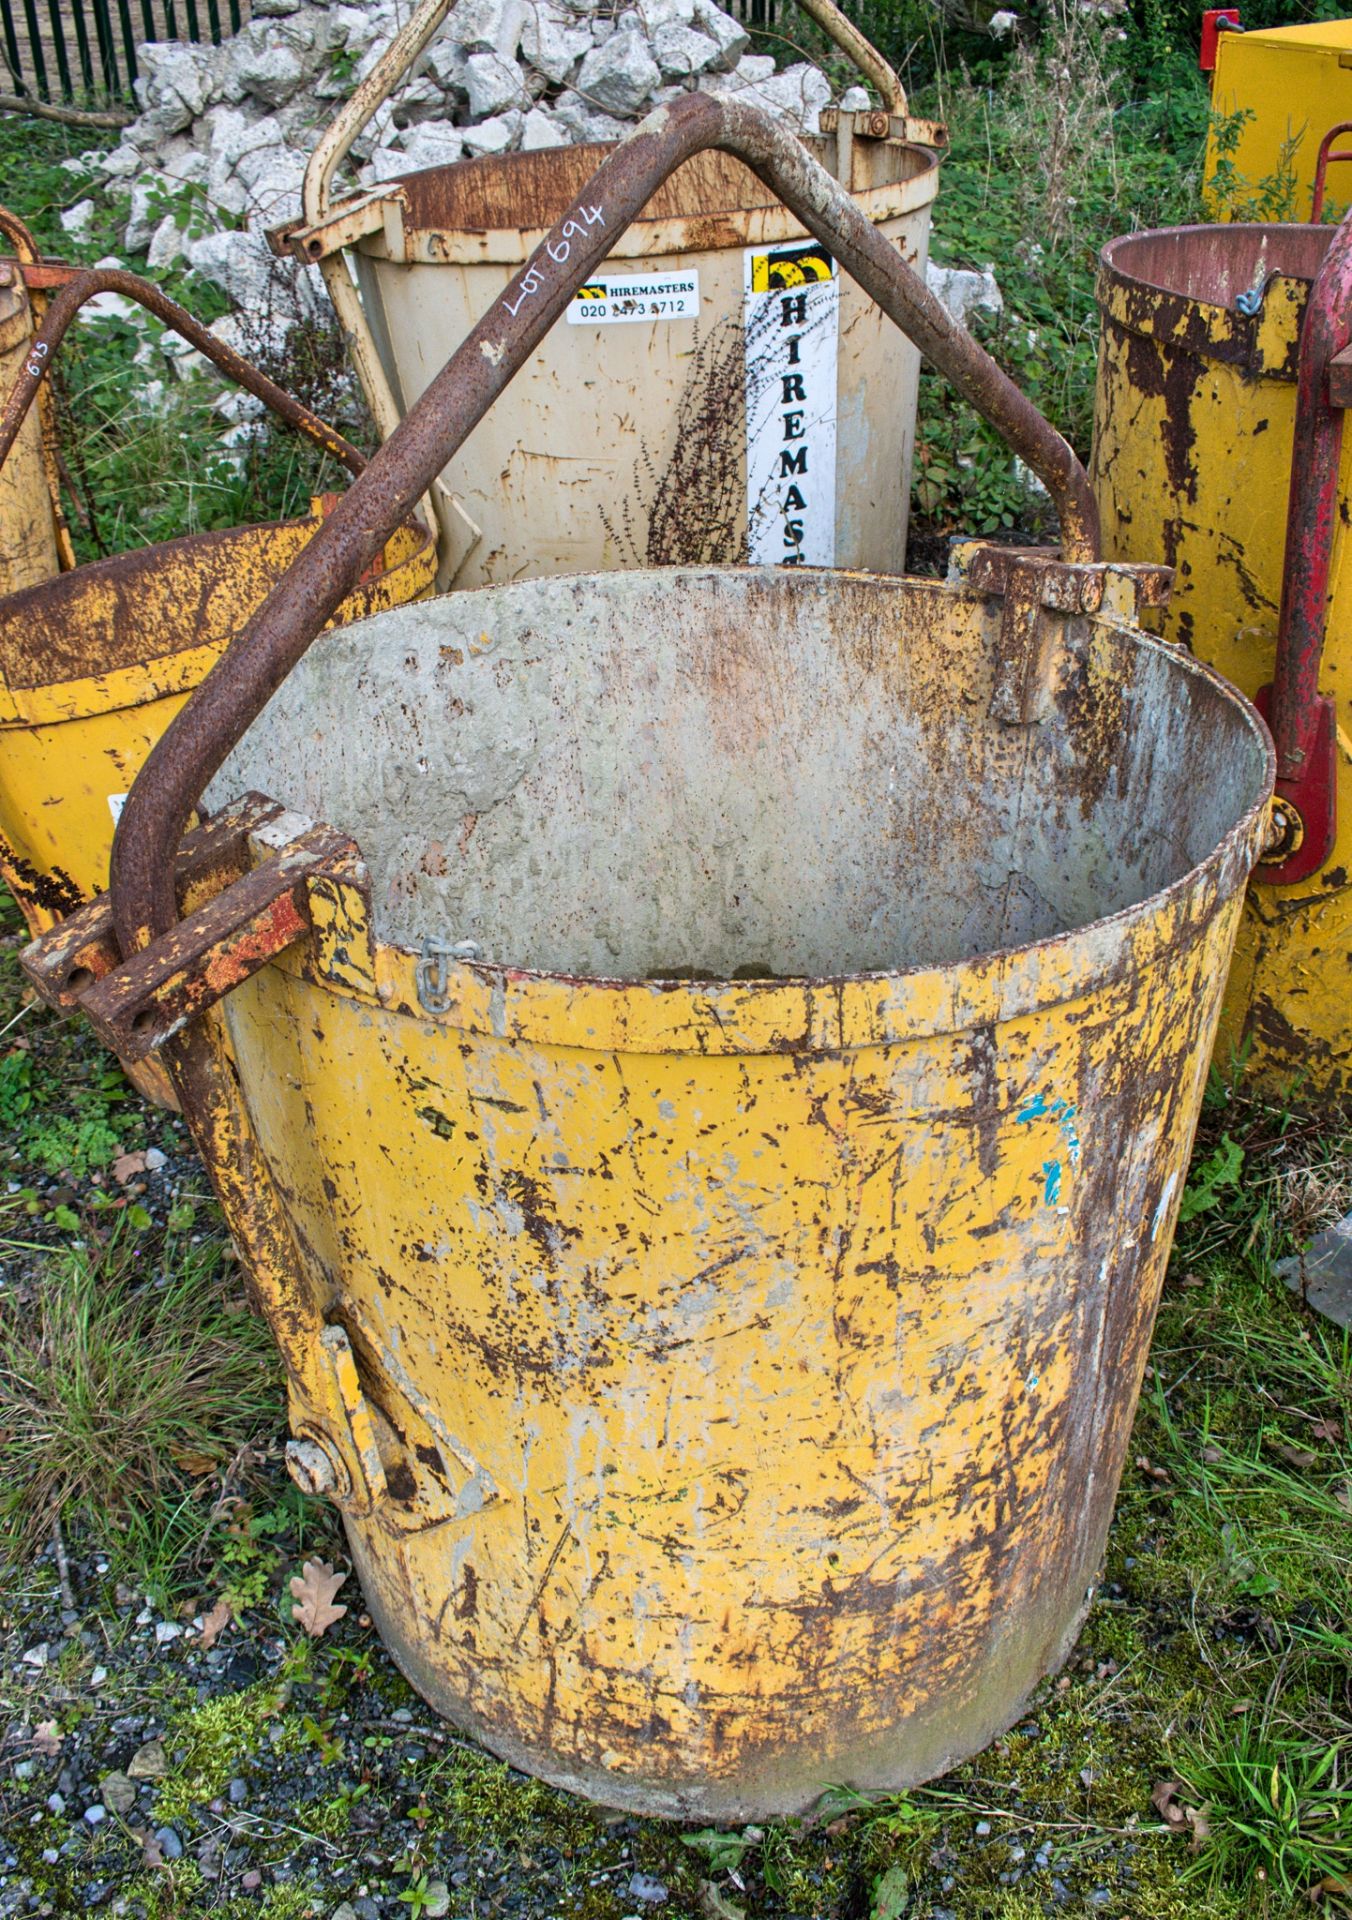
{"points": [[1325, 160], [1302, 719], [1211, 33]]}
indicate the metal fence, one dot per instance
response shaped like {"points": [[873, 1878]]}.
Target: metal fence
{"points": [[64, 49]]}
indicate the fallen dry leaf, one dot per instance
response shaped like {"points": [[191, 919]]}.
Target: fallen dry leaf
{"points": [[313, 1589], [1157, 1474], [47, 1738], [197, 1465], [715, 1905], [1212, 1456], [1326, 1429], [127, 1166], [1296, 1457], [1178, 1817], [148, 1762], [215, 1623]]}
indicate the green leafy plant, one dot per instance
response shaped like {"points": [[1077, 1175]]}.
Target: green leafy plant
{"points": [[1277, 1806], [1213, 1182]]}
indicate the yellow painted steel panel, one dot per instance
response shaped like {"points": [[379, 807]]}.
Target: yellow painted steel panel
{"points": [[1194, 421], [1294, 83]]}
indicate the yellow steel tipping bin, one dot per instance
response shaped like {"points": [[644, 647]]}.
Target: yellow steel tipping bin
{"points": [[95, 662], [1275, 95], [700, 1066], [1199, 461]]}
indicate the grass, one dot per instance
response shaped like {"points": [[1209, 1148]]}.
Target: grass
{"points": [[128, 1388]]}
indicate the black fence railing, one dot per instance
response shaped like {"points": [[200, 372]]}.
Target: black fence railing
{"points": [[65, 49]]}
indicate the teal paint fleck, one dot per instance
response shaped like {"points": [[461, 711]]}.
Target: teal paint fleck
{"points": [[1051, 1191]]}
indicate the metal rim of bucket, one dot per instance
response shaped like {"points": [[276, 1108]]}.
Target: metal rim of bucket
{"points": [[1138, 293], [100, 690], [105, 689], [630, 1012]]}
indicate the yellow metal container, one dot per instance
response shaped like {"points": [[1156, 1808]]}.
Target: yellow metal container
{"points": [[1285, 87], [95, 664], [701, 1066], [743, 1366], [1194, 423], [30, 547]]}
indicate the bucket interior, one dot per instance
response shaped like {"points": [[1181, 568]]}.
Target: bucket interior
{"points": [[488, 194], [1216, 264], [694, 773]]}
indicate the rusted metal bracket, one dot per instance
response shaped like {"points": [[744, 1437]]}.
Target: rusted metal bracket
{"points": [[1301, 719], [1340, 379], [876, 123], [63, 964], [1040, 592], [1304, 809], [350, 221], [247, 915]]}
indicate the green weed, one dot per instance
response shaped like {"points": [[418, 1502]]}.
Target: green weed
{"points": [[124, 1395]]}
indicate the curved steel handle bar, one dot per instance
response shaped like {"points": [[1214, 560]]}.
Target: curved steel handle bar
{"points": [[113, 280], [24, 245], [1312, 510], [257, 662], [860, 49]]}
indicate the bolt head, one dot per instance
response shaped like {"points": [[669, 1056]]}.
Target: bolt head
{"points": [[310, 1467]]}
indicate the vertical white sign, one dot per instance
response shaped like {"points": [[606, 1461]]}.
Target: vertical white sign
{"points": [[791, 319]]}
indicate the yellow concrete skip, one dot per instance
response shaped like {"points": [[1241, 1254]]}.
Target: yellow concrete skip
{"points": [[726, 1381], [1275, 94], [1194, 422]]}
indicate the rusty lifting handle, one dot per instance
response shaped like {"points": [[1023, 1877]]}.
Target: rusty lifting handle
{"points": [[258, 661], [113, 280], [1312, 510]]}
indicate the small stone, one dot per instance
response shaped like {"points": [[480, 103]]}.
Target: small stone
{"points": [[620, 74], [238, 1792], [344, 1911], [553, 42], [98, 1676], [855, 100], [965, 291], [495, 135], [121, 163], [982, 1828], [37, 1656], [166, 244], [95, 1816], [731, 39], [119, 1793], [436, 1899], [148, 1762], [253, 1879], [539, 131], [56, 1804], [493, 84], [50, 1856], [167, 1631], [680, 51], [432, 145], [272, 75], [169, 1843], [76, 220], [642, 1886], [25, 1769]]}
